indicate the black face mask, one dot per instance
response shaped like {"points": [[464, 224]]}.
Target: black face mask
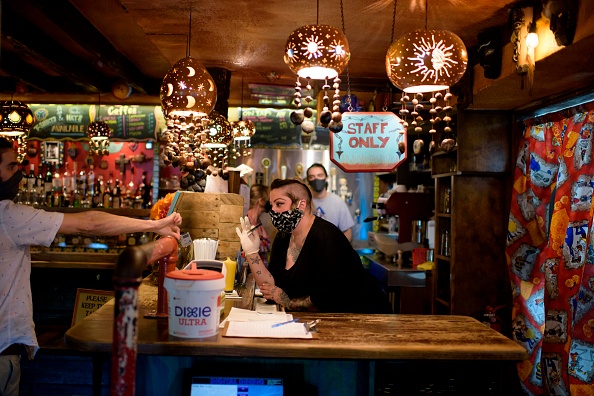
{"points": [[318, 185], [267, 207], [10, 188]]}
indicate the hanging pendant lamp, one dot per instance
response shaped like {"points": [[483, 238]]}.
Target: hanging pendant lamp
{"points": [[188, 89], [317, 52], [426, 61], [16, 118], [98, 132]]}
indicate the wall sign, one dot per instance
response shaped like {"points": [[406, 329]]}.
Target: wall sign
{"points": [[274, 128], [70, 121], [368, 142]]}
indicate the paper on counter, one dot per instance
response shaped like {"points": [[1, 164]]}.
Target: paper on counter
{"points": [[246, 315], [264, 329]]}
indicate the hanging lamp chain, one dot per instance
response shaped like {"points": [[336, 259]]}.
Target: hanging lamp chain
{"points": [[426, 12], [347, 66], [393, 22], [318, 12], [189, 36]]}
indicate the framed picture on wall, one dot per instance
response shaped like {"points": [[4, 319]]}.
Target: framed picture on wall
{"points": [[52, 152]]}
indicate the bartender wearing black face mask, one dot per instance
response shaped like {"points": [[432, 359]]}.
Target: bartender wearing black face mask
{"points": [[328, 205], [312, 267]]}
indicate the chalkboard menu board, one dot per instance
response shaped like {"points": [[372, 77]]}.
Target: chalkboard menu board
{"points": [[274, 128], [70, 121]]}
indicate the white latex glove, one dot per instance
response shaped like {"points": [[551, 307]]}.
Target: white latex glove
{"points": [[250, 241]]}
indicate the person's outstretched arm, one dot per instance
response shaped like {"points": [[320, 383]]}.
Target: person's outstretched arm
{"points": [[101, 223]]}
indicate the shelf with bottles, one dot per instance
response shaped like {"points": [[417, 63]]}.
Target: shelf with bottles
{"points": [[52, 188]]}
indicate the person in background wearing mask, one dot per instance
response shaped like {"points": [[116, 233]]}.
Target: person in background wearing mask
{"points": [[312, 267], [328, 205], [22, 226], [260, 206]]}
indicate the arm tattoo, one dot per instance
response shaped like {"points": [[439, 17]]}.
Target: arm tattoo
{"points": [[296, 304], [254, 260]]}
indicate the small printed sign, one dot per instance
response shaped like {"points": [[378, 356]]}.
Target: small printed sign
{"points": [[88, 301], [369, 142]]}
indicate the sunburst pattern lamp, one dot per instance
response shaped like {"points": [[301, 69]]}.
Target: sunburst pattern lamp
{"points": [[318, 52], [188, 89], [426, 61]]}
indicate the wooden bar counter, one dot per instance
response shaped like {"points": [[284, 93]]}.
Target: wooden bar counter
{"points": [[363, 346]]}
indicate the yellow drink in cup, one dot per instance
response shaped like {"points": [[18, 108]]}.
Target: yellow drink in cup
{"points": [[231, 268]]}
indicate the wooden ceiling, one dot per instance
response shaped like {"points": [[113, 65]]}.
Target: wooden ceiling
{"points": [[80, 48]]}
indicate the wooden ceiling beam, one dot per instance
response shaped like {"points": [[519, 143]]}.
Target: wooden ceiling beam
{"points": [[72, 22]]}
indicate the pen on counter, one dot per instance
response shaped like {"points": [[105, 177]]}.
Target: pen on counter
{"points": [[253, 228], [284, 323]]}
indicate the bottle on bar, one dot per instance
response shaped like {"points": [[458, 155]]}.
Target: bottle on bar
{"points": [[48, 185], [31, 191], [116, 201], [40, 187], [107, 195], [66, 180]]}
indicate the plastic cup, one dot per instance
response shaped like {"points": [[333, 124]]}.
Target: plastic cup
{"points": [[231, 267]]}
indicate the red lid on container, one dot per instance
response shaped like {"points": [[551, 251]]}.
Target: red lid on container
{"points": [[194, 274]]}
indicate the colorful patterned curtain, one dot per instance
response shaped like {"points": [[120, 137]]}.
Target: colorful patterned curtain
{"points": [[550, 252]]}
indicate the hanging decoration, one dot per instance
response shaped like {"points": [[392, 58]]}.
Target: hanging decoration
{"points": [[243, 130], [188, 95], [218, 135], [98, 132], [427, 61], [16, 120], [188, 90], [317, 52]]}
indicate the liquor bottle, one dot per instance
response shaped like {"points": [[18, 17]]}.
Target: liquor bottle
{"points": [[97, 196], [57, 181], [31, 191], [40, 187], [82, 181], [66, 180], [145, 191], [48, 185], [107, 197], [66, 199], [74, 177], [91, 179], [116, 201]]}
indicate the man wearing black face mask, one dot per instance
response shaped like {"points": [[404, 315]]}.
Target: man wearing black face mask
{"points": [[22, 226], [328, 205]]}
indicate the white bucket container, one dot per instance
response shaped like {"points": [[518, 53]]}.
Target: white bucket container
{"points": [[194, 298]]}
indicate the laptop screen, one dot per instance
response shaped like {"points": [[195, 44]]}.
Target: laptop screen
{"points": [[235, 386]]}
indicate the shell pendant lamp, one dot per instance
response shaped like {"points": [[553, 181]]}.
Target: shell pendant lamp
{"points": [[317, 52], [427, 61]]}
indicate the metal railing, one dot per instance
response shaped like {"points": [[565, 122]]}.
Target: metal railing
{"points": [[127, 279]]}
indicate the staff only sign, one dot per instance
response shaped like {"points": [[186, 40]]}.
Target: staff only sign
{"points": [[368, 142]]}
